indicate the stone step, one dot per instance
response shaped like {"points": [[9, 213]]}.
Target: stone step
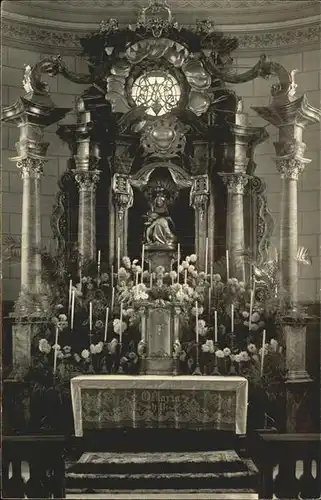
{"points": [[164, 495], [167, 462]]}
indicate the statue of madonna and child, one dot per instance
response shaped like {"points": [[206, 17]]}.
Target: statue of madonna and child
{"points": [[159, 224]]}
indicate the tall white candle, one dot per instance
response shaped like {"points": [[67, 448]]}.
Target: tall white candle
{"points": [[215, 327], [98, 263], [143, 261], [121, 324], [206, 257], [55, 352], [232, 318], [211, 279], [178, 260], [72, 309], [197, 332], [136, 278], [112, 300], [112, 277], [263, 351], [227, 265], [90, 316], [69, 299], [118, 253], [106, 324], [185, 277], [209, 301]]}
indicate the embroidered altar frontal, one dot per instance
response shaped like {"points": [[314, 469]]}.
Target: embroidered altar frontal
{"points": [[151, 401]]}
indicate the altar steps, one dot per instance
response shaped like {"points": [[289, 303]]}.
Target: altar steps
{"points": [[122, 473]]}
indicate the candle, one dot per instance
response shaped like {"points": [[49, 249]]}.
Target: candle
{"points": [[98, 261], [215, 327], [72, 309], [106, 324], [178, 260], [118, 253], [232, 318], [227, 266], [136, 280], [185, 277], [209, 301], [70, 292], [90, 316], [112, 300], [112, 277], [150, 275], [143, 261], [121, 323], [252, 304], [206, 257], [55, 352], [211, 280], [263, 351], [197, 333]]}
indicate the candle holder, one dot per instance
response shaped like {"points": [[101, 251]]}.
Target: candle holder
{"points": [[232, 370], [215, 367], [197, 370], [176, 366]]}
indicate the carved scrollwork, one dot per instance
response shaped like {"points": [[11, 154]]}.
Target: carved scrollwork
{"points": [[32, 81], [264, 69], [58, 219], [199, 195], [264, 220], [123, 193], [31, 167]]}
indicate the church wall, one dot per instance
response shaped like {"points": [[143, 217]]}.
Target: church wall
{"points": [[255, 93]]}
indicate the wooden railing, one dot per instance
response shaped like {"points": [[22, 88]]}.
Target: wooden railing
{"points": [[286, 451], [45, 458]]}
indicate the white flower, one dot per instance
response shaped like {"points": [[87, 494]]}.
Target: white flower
{"points": [[180, 296], [138, 269], [185, 264], [193, 257], [191, 268], [122, 272], [60, 355], [126, 262], [77, 357], [254, 327], [44, 346], [244, 356], [62, 317], [274, 344], [242, 284], [230, 281], [173, 275], [59, 306], [188, 259], [205, 348], [251, 348], [219, 353], [200, 311], [56, 347], [85, 354], [265, 351], [237, 358], [135, 261], [217, 277], [194, 273], [245, 314], [99, 347], [210, 345], [116, 325], [92, 349], [227, 351], [180, 268], [255, 317]]}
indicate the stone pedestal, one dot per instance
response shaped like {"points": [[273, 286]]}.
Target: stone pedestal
{"points": [[23, 346], [160, 255]]}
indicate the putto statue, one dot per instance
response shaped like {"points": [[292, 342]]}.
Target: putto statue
{"points": [[159, 225]]}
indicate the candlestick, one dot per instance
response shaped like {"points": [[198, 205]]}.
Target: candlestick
{"points": [[227, 266], [90, 316], [56, 352], [136, 280], [112, 300], [206, 256], [143, 261], [72, 309], [121, 324], [215, 327], [106, 324], [232, 318], [118, 254], [69, 300], [263, 351]]}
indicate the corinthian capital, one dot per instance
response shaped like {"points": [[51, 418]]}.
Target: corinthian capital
{"points": [[87, 179], [235, 182], [290, 168], [31, 167]]}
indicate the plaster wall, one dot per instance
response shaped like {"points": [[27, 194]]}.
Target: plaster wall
{"points": [[254, 93]]}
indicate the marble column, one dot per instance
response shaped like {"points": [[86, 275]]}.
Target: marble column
{"points": [[235, 183], [199, 199], [87, 181], [290, 116]]}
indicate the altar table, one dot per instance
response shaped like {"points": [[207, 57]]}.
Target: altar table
{"points": [[153, 401]]}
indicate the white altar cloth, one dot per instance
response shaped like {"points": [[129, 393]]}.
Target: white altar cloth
{"points": [[209, 402]]}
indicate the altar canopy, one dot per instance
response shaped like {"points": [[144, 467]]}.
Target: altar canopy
{"points": [[207, 403]]}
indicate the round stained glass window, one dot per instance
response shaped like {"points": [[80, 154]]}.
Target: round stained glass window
{"points": [[157, 90]]}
